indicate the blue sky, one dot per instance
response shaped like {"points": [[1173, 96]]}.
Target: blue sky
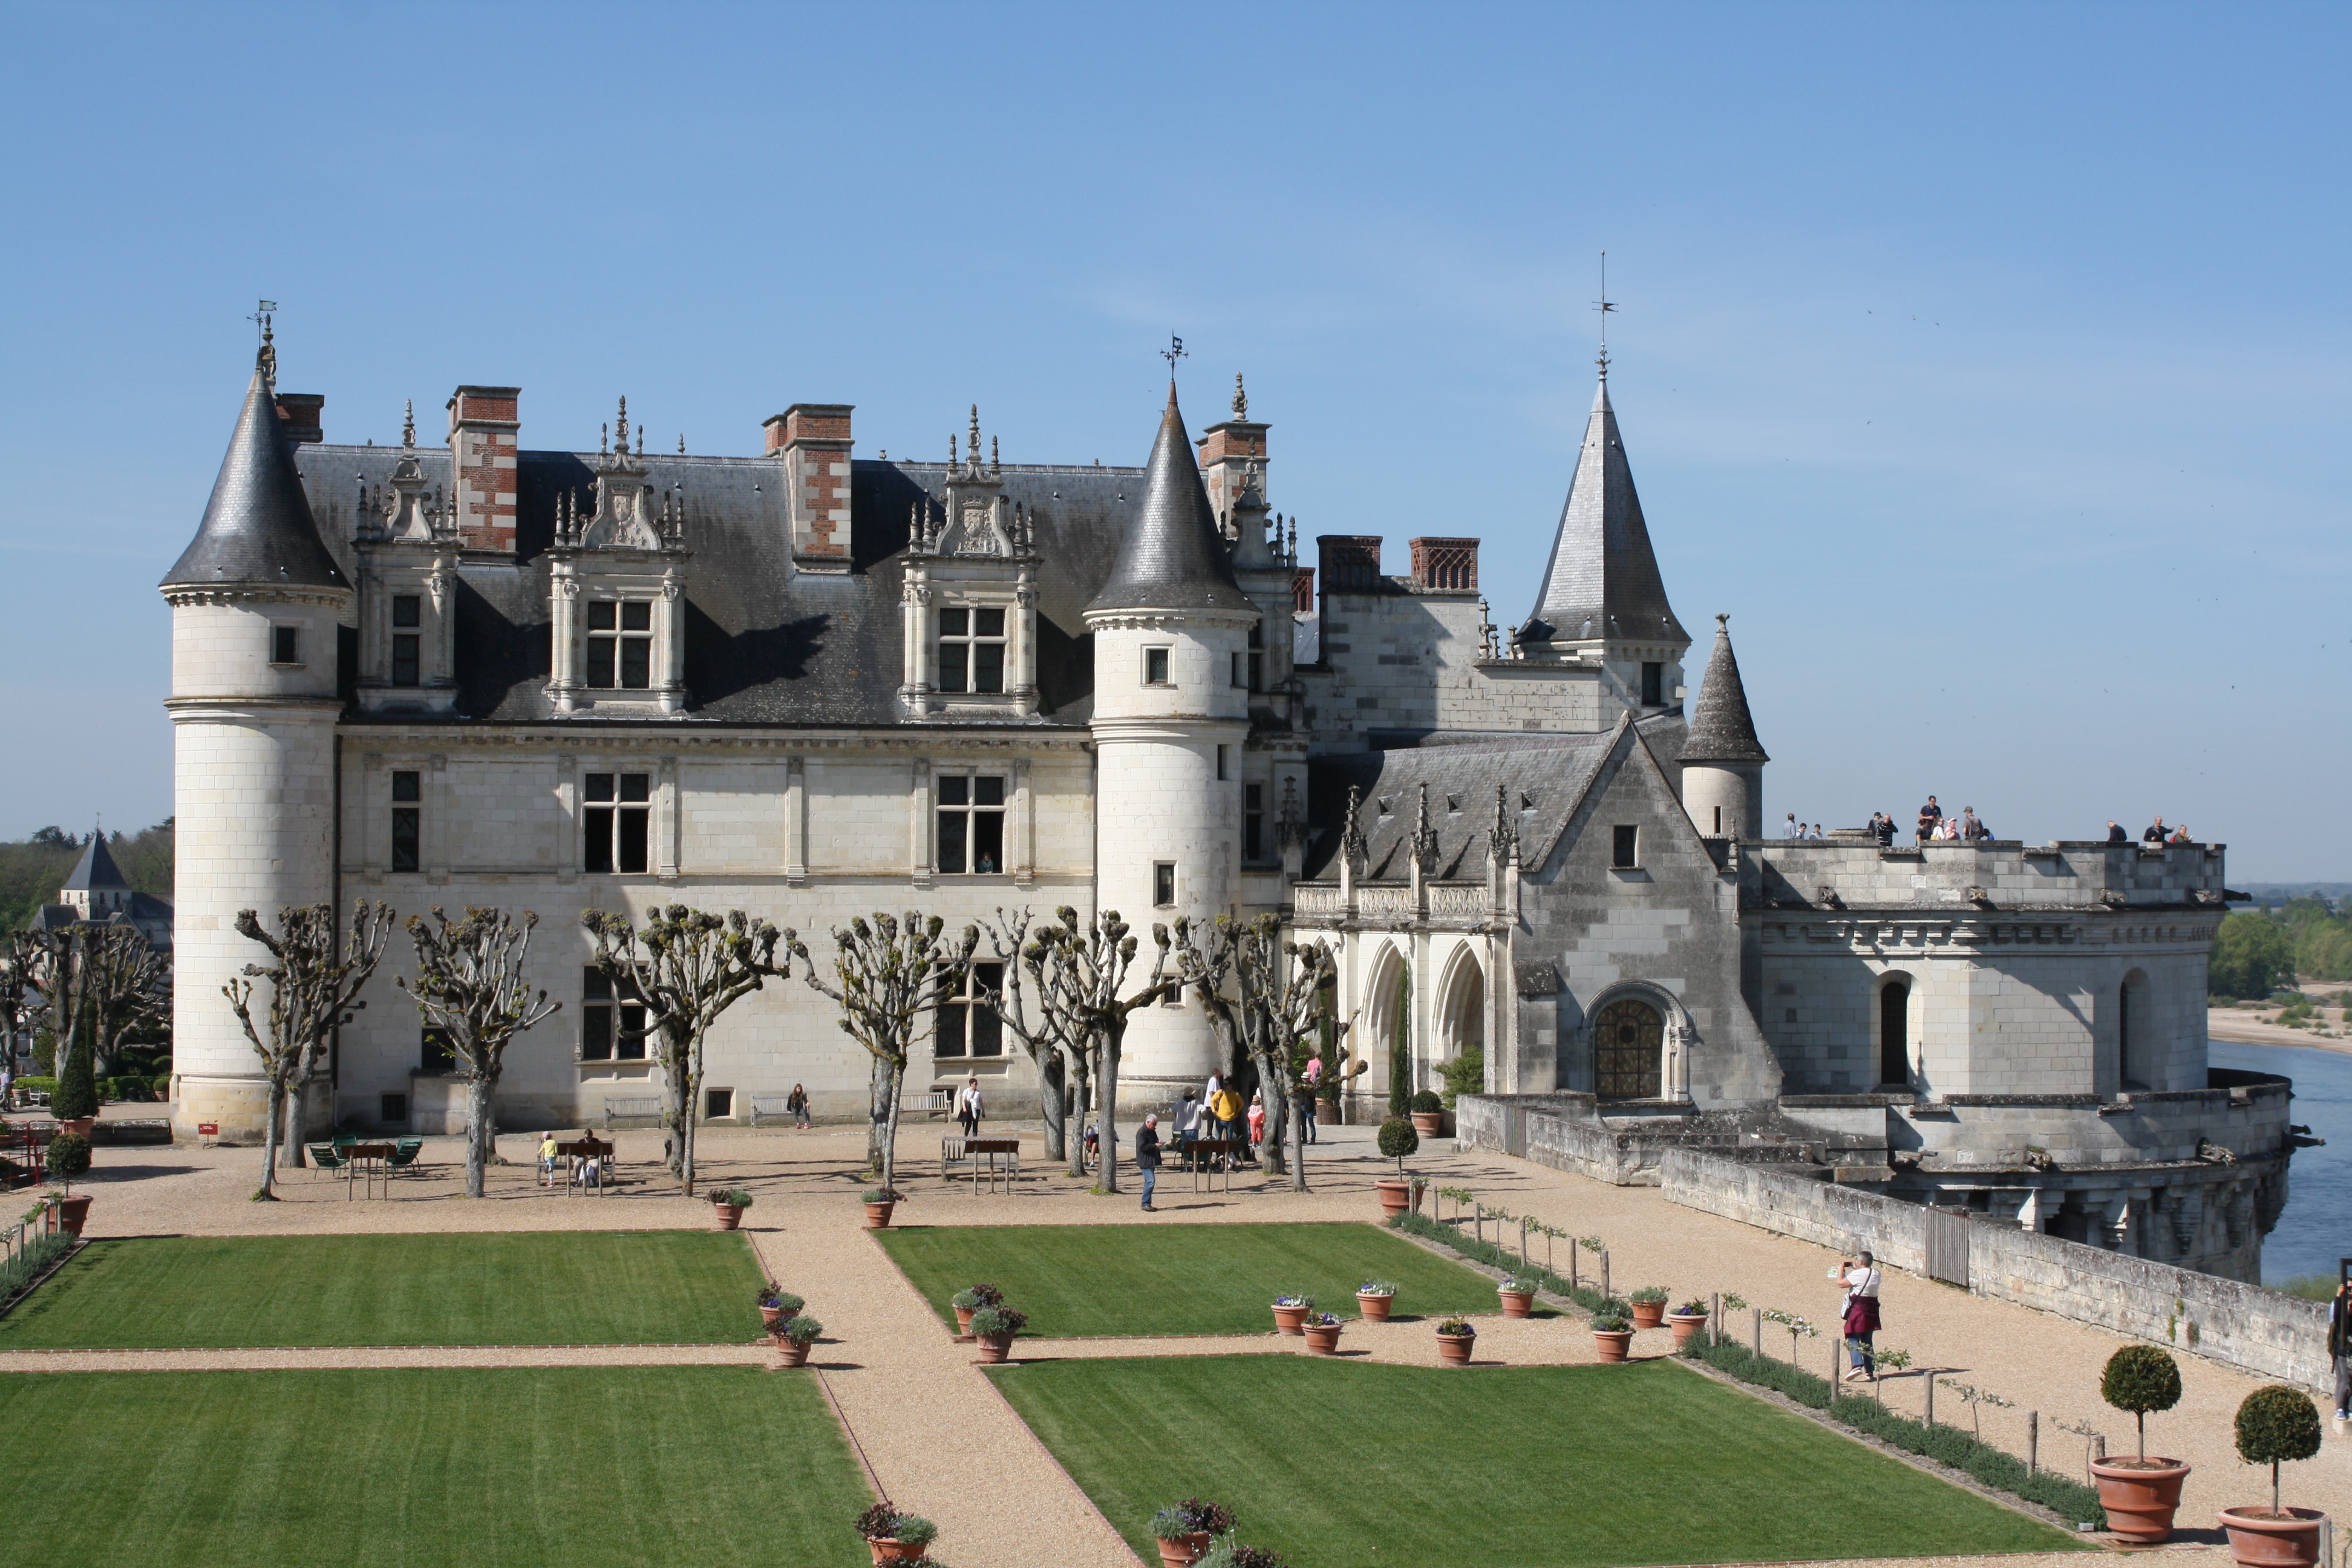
{"points": [[1988, 364]]}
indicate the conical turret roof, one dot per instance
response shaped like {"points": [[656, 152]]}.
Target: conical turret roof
{"points": [[1721, 729], [1602, 579], [1173, 557], [95, 869], [258, 526]]}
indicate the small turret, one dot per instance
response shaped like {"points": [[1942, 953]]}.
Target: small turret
{"points": [[1723, 761]]}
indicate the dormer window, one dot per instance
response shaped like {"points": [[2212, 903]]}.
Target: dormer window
{"points": [[407, 612], [621, 645], [971, 650]]}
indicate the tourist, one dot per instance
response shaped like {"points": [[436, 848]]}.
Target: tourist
{"points": [[1969, 823], [1256, 1123], [2152, 833], [1931, 817], [2115, 833], [1861, 1280], [1796, 828], [1147, 1156], [969, 1108], [1307, 1085], [547, 1162], [2180, 835], [2339, 1347], [591, 1169], [1188, 1123], [1226, 1107], [797, 1103]]}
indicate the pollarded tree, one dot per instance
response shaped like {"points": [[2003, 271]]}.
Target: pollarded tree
{"points": [[25, 964], [891, 972], [1230, 988], [1047, 1037], [685, 967], [129, 983], [1286, 982], [469, 986], [1094, 959], [314, 985]]}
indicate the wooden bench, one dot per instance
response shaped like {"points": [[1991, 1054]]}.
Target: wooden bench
{"points": [[584, 1149], [778, 1106], [993, 1157], [631, 1109], [936, 1104]]}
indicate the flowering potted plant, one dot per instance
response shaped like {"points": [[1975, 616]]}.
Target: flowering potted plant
{"points": [[729, 1204], [1290, 1310], [1517, 1295], [2141, 1494], [967, 1302], [1322, 1330], [1184, 1529], [1612, 1330], [1455, 1337], [1428, 1113], [70, 1157], [879, 1202], [1398, 1140], [1374, 1298], [994, 1327], [775, 1305], [1649, 1304], [2275, 1424], [895, 1537], [1230, 1551], [793, 1336], [1686, 1320]]}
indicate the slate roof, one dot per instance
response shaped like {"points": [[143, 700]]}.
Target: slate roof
{"points": [[1721, 729], [258, 527], [96, 869], [764, 645], [1174, 556], [1543, 779], [1602, 578]]}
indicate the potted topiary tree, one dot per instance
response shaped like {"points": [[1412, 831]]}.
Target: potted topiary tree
{"points": [[1373, 1299], [1322, 1329], [967, 1302], [794, 1335], [1428, 1113], [1398, 1140], [1455, 1338], [1184, 1529], [775, 1306], [1687, 1319], [896, 1537], [2275, 1424], [1612, 1330], [728, 1205], [1649, 1304], [1517, 1295], [994, 1328], [69, 1157], [2141, 1494], [879, 1202], [1290, 1310]]}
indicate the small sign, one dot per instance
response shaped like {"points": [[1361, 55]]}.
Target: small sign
{"points": [[207, 1129]]}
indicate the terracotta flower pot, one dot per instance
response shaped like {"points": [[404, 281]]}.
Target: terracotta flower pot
{"points": [[964, 1322], [2258, 1541], [888, 1550], [1648, 1314], [994, 1348], [878, 1214], [1516, 1303], [1611, 1342], [1184, 1550], [72, 1211], [2139, 1499], [1428, 1124], [1323, 1339], [1454, 1349], [1396, 1194], [728, 1215], [81, 1124], [793, 1355], [1290, 1320], [770, 1316], [1684, 1325], [1374, 1309], [1327, 1112]]}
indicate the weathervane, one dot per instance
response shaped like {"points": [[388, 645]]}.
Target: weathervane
{"points": [[1172, 352], [1604, 305]]}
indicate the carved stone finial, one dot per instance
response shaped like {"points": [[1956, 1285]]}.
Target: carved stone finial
{"points": [[1502, 839], [621, 429], [681, 443], [1351, 836], [408, 424], [1424, 836], [974, 438], [603, 439], [1288, 828], [1241, 398], [994, 467]]}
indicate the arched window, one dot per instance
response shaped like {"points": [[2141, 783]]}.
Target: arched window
{"points": [[2131, 1034], [1627, 1040], [1895, 1034]]}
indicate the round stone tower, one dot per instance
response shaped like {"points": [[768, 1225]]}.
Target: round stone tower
{"points": [[1169, 726], [1723, 763], [256, 604]]}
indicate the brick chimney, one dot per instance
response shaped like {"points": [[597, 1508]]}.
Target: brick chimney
{"points": [[483, 423], [1350, 562], [298, 411], [813, 441], [1445, 566], [1227, 451], [1302, 591]]}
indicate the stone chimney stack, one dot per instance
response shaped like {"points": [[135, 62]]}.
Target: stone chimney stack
{"points": [[483, 426], [812, 440], [1444, 565]]}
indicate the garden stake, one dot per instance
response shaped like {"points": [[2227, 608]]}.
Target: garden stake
{"points": [[1715, 1319], [1572, 1250], [1835, 1341], [1524, 1260], [1756, 1347], [1931, 1396], [2032, 1441], [1604, 1271]]}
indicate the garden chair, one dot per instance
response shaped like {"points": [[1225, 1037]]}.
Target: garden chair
{"points": [[327, 1157], [404, 1153]]}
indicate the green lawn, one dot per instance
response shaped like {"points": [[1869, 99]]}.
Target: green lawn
{"points": [[419, 1467], [1410, 1466], [547, 1287], [1077, 1281]]}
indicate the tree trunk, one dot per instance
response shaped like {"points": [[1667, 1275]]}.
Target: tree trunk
{"points": [[881, 1098], [678, 1095], [1050, 1105], [478, 1132], [269, 1138], [1081, 1086], [898, 1078], [1302, 1108], [289, 1148], [1278, 1120], [1108, 1117]]}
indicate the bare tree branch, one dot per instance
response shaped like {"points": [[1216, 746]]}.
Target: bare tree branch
{"points": [[469, 986]]}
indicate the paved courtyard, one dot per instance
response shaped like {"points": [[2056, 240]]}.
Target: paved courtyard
{"points": [[941, 1441]]}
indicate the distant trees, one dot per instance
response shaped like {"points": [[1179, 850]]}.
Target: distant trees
{"points": [[32, 871]]}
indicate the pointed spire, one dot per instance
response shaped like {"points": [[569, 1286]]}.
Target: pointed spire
{"points": [[1721, 729], [1602, 580], [258, 526], [1173, 557], [994, 466], [96, 870]]}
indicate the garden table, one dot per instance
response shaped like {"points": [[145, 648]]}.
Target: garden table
{"points": [[366, 1160], [977, 1149], [1228, 1150]]}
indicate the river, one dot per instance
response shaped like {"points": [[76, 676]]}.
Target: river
{"points": [[2316, 1229]]}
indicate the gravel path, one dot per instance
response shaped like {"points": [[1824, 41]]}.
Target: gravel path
{"points": [[944, 1444]]}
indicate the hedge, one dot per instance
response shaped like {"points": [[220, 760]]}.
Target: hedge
{"points": [[2069, 1499], [27, 1267]]}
